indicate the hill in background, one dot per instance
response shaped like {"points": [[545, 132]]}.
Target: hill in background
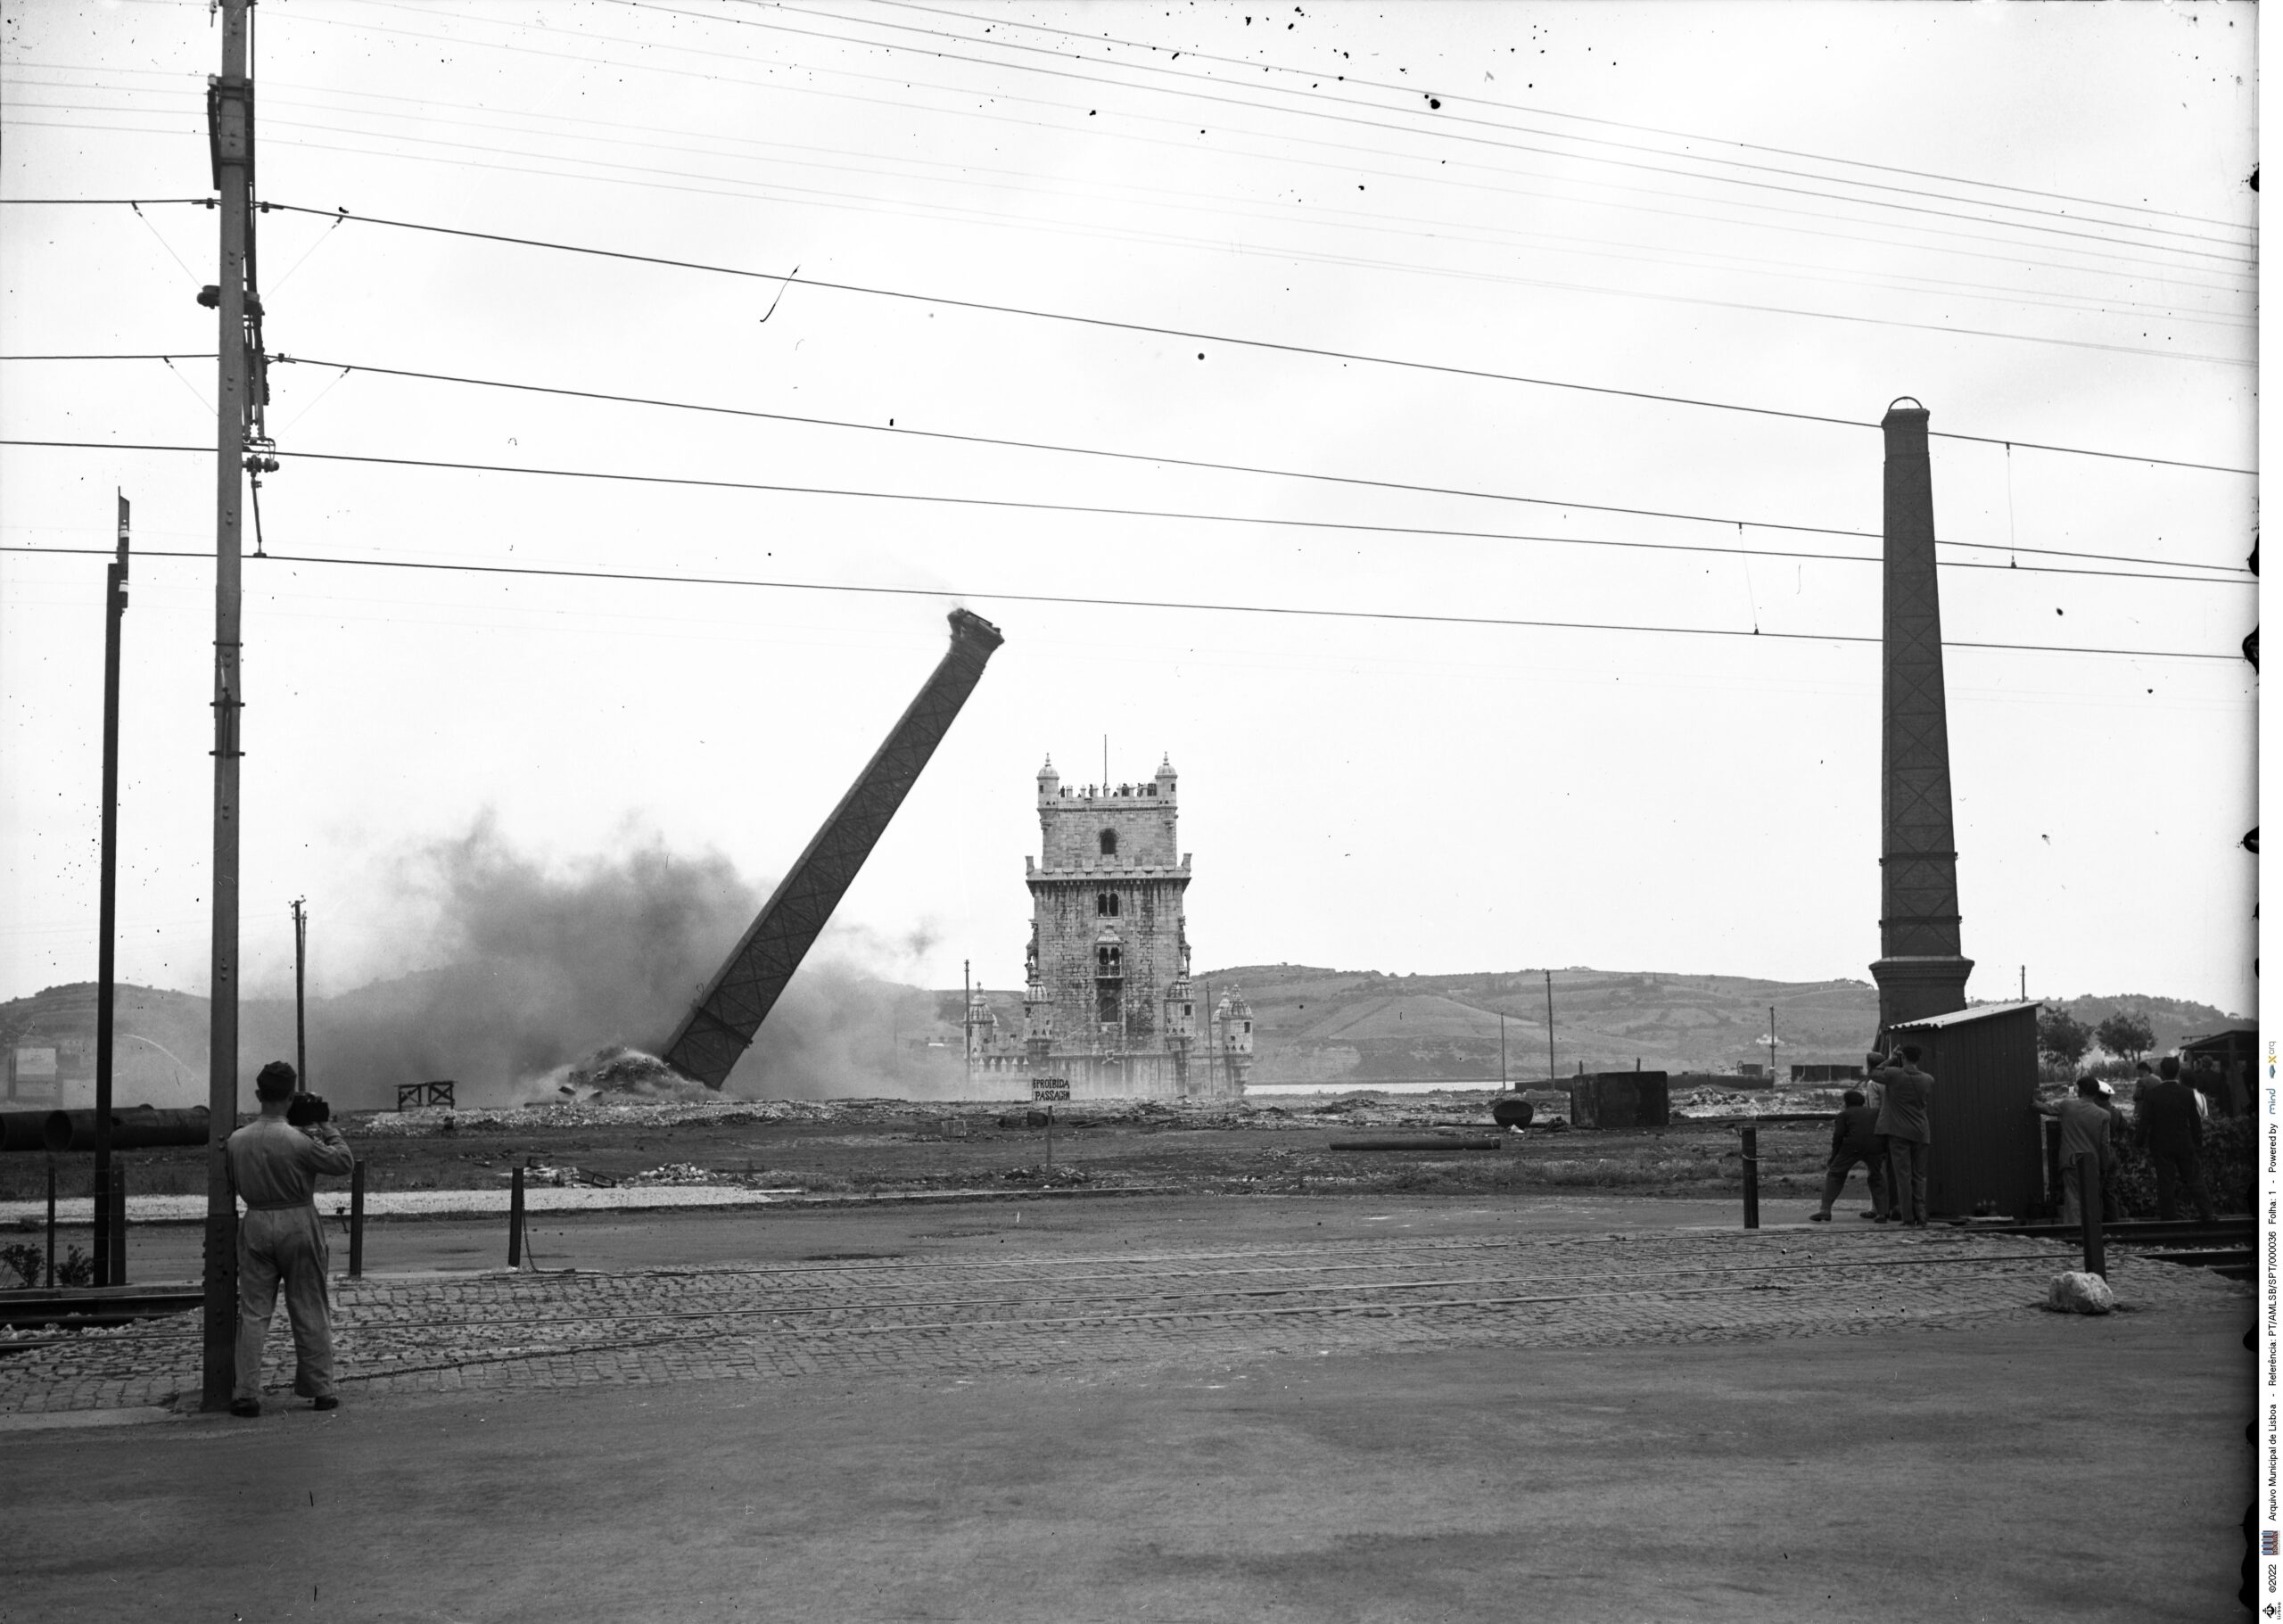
{"points": [[836, 1034], [1313, 1025]]}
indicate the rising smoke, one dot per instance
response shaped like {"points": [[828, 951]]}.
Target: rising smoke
{"points": [[543, 977]]}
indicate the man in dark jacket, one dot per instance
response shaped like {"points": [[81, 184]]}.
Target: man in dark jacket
{"points": [[2173, 1131], [1855, 1138], [1906, 1122]]}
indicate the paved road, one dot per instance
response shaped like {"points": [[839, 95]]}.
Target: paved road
{"points": [[1222, 1413]]}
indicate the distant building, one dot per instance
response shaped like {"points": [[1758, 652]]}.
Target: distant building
{"points": [[1108, 1005]]}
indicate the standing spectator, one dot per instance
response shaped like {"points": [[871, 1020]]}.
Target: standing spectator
{"points": [[274, 1168], [2173, 1131], [1906, 1122], [2084, 1131], [2112, 1157], [2144, 1078], [1854, 1138]]}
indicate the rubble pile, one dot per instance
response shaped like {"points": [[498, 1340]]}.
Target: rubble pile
{"points": [[628, 1074]]}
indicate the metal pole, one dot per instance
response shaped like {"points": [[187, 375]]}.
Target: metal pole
{"points": [[1049, 1139], [230, 116], [107, 904], [966, 1026], [301, 1034], [516, 1220], [2089, 1203], [1551, 1075], [1502, 1052], [1771, 1043], [51, 1222], [357, 1220], [1752, 1176]]}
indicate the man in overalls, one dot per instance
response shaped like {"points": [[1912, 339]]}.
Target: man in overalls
{"points": [[274, 1168]]}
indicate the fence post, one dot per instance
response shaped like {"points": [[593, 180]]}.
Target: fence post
{"points": [[516, 1221], [117, 1223], [50, 1221], [357, 1220], [2089, 1203], [1751, 1176]]}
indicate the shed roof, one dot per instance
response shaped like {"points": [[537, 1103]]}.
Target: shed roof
{"points": [[1959, 1018]]}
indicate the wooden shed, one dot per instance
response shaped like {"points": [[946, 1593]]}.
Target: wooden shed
{"points": [[1985, 1154]]}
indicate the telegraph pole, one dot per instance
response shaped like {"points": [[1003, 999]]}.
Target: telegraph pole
{"points": [[967, 1024], [107, 906], [301, 1034], [1550, 1074], [229, 112]]}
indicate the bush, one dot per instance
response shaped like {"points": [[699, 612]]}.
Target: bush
{"points": [[2226, 1163], [76, 1269], [25, 1258]]}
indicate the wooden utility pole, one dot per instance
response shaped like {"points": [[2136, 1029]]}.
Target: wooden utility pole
{"points": [[1550, 1075], [301, 1032], [229, 111], [107, 905]]}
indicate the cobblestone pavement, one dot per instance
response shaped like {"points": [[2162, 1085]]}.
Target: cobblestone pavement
{"points": [[928, 1318]]}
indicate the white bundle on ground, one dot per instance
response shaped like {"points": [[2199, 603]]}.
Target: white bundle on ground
{"points": [[2077, 1292]]}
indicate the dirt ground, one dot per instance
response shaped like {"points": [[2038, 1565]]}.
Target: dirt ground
{"points": [[889, 1145]]}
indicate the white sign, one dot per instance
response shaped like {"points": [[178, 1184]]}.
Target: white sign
{"points": [[1049, 1088], [35, 1065]]}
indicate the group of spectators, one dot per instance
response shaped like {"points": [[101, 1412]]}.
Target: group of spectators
{"points": [[1886, 1129], [1886, 1126], [2168, 1122]]}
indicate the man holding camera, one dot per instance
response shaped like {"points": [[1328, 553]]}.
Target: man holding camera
{"points": [[275, 1163]]}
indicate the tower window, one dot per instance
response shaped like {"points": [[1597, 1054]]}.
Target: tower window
{"points": [[1106, 904], [1109, 985], [1110, 843]]}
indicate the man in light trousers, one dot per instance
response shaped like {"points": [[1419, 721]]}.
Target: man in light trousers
{"points": [[274, 1168]]}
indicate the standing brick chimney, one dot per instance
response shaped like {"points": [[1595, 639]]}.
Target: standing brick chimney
{"points": [[1920, 971]]}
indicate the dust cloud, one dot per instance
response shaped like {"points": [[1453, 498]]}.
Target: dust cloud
{"points": [[555, 982]]}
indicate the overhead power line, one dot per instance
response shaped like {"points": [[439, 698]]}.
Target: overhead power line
{"points": [[613, 136], [522, 45], [2235, 257], [1725, 521], [1092, 510], [616, 172], [1197, 336], [1182, 605], [1474, 99], [584, 128]]}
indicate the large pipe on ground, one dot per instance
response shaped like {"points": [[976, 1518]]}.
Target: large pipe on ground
{"points": [[135, 1127], [23, 1130], [721, 1023]]}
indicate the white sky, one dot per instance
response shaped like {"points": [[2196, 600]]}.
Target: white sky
{"points": [[1364, 794]]}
